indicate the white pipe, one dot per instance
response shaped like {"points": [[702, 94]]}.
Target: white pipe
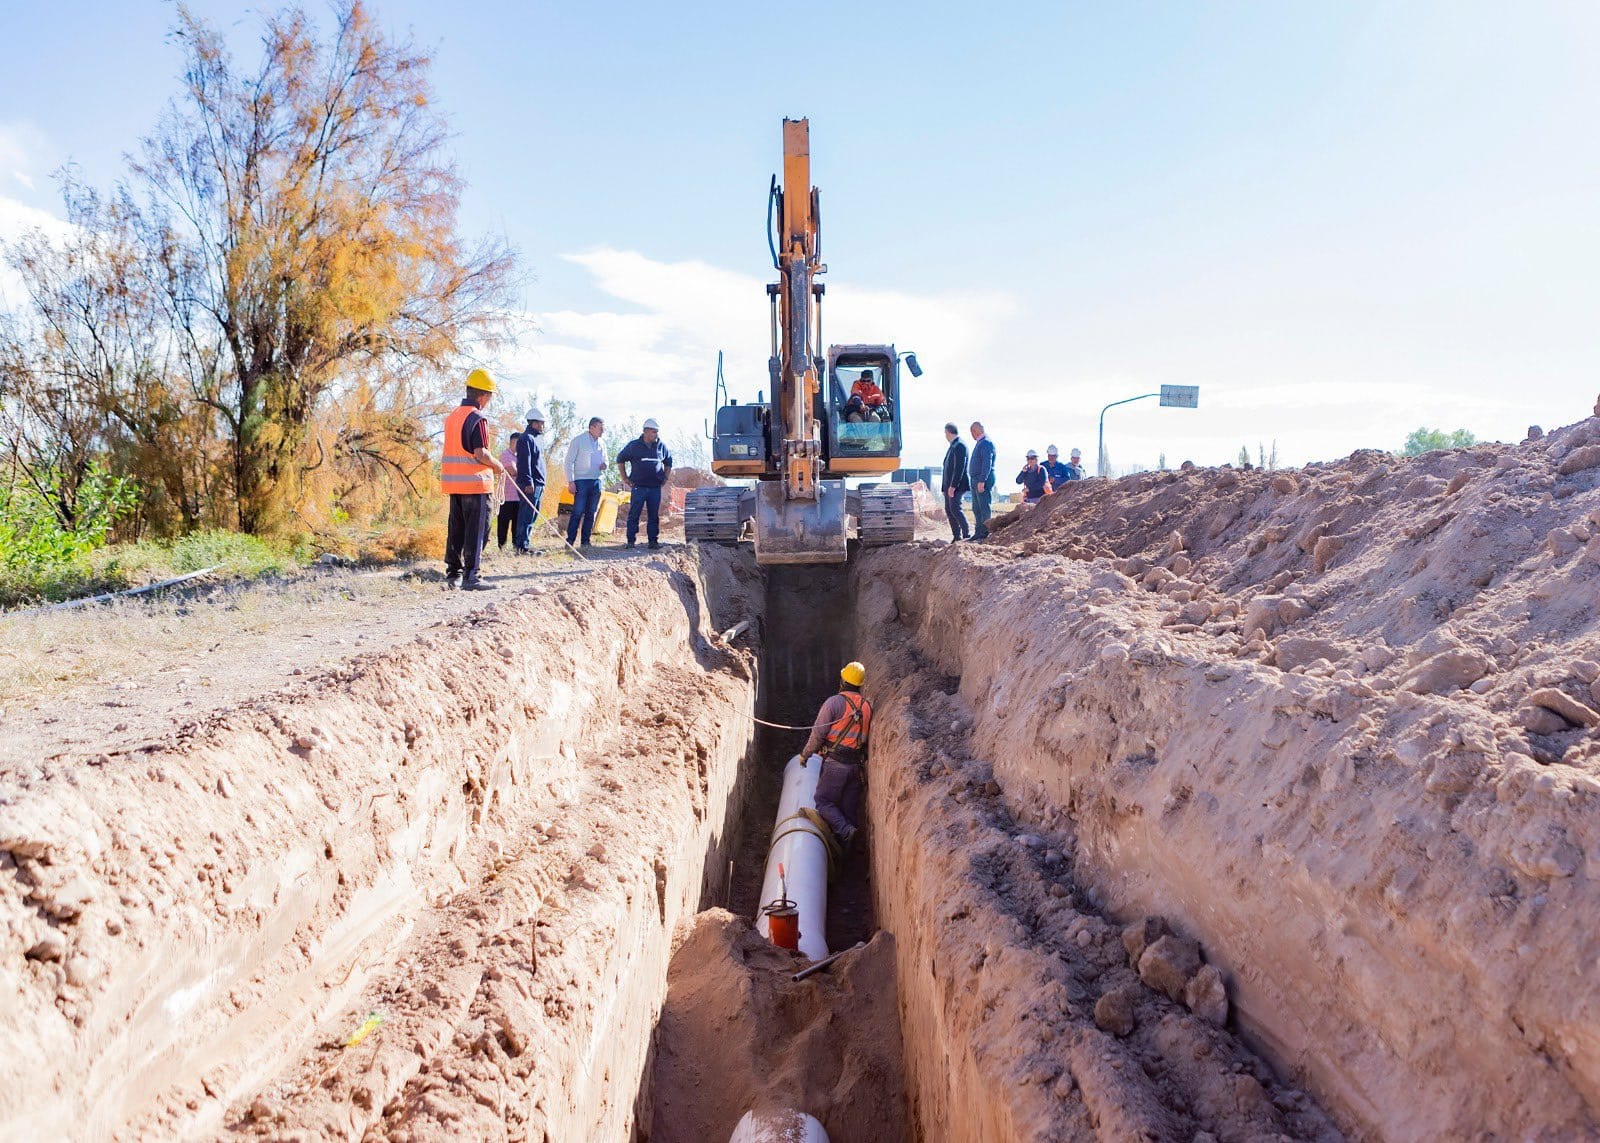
{"points": [[799, 848], [786, 1126]]}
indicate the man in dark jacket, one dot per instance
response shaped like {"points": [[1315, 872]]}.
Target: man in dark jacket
{"points": [[955, 483], [1034, 479], [530, 478], [646, 466], [980, 469]]}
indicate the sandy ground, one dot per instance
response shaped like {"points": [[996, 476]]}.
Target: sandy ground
{"points": [[739, 1034], [139, 673], [1339, 726], [482, 839]]}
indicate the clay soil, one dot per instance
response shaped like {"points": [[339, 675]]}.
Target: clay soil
{"points": [[1205, 805]]}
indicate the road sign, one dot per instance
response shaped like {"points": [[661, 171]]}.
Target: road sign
{"points": [[1180, 396]]}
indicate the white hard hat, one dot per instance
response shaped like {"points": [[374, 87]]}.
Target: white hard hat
{"points": [[1052, 451], [1077, 452], [650, 423], [535, 414]]}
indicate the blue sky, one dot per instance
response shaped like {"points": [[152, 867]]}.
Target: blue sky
{"points": [[1341, 220]]}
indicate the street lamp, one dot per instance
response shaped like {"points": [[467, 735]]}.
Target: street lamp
{"points": [[1172, 396]]}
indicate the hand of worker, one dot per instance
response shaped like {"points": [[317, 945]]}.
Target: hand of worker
{"points": [[950, 493], [980, 486]]}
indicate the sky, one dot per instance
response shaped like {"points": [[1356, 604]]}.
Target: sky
{"points": [[1341, 219]]}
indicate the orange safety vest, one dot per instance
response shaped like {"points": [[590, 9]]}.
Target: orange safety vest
{"points": [[851, 729], [460, 474]]}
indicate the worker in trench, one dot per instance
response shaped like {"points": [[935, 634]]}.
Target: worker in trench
{"points": [[838, 743]]}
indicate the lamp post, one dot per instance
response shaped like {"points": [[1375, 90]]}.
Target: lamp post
{"points": [[1172, 396]]}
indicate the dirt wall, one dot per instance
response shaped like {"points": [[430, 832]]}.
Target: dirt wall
{"points": [[485, 837], [1397, 897]]}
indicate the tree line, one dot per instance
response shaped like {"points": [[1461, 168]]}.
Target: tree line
{"points": [[254, 326]]}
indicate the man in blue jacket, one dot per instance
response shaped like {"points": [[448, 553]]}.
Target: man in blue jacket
{"points": [[980, 470], [956, 482], [1058, 473], [530, 478], [651, 469]]}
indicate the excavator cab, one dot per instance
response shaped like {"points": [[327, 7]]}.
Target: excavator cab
{"points": [[863, 417]]}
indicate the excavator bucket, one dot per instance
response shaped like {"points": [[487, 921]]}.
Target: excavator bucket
{"points": [[800, 531]]}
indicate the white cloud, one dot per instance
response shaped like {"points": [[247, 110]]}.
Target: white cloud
{"points": [[656, 354], [23, 148], [16, 219]]}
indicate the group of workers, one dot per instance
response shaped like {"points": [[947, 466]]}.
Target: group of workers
{"points": [[974, 472], [467, 475]]}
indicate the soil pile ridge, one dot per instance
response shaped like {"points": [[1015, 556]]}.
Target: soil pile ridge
{"points": [[1334, 724]]}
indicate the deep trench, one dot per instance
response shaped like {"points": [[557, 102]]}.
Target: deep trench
{"points": [[806, 633]]}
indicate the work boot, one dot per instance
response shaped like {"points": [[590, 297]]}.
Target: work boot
{"points": [[450, 582], [632, 544], [479, 585], [654, 547]]}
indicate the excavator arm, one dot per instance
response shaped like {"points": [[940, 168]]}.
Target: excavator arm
{"points": [[800, 518]]}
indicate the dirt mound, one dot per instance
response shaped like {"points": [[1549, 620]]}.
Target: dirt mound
{"points": [[1336, 724], [739, 1034], [1469, 570]]}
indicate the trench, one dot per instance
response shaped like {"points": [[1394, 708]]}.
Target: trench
{"points": [[544, 893], [736, 1033]]}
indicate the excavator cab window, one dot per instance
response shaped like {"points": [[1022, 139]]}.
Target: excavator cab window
{"points": [[864, 392]]}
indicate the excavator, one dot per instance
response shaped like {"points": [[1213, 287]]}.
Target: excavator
{"points": [[799, 447]]}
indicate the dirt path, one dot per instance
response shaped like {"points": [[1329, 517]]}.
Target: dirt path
{"points": [[140, 673]]}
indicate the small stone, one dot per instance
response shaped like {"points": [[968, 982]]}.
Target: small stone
{"points": [[598, 851], [1565, 705], [1283, 482], [1058, 890], [1141, 935], [1207, 996], [992, 788], [260, 1110], [1540, 720], [1083, 938], [1168, 964], [1114, 653], [1535, 433], [1586, 670], [51, 945], [1588, 456], [305, 742], [1447, 671], [1113, 1012], [80, 971]]}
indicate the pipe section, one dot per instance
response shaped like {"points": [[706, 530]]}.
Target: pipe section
{"points": [[798, 845], [786, 1126]]}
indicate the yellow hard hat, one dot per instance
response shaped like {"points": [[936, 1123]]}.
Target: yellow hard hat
{"points": [[854, 674], [479, 379]]}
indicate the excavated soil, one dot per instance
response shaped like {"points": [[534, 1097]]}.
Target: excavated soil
{"points": [[739, 1034], [1207, 805], [1337, 725]]}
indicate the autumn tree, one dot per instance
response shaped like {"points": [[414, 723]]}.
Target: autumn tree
{"points": [[302, 219]]}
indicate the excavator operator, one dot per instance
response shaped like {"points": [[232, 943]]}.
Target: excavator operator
{"points": [[838, 743]]}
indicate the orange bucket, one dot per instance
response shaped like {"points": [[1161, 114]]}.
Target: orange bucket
{"points": [[783, 923]]}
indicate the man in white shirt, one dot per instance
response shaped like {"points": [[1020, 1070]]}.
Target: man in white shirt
{"points": [[586, 461]]}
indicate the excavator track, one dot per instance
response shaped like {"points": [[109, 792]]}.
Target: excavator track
{"points": [[888, 515], [712, 515]]}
